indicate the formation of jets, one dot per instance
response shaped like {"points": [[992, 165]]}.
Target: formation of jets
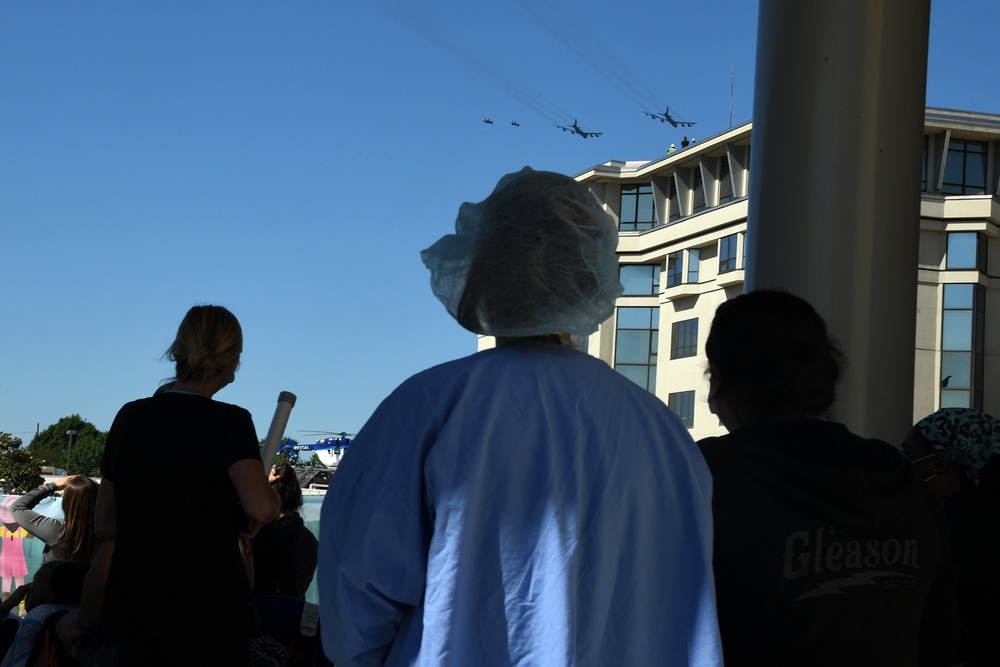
{"points": [[665, 117], [576, 129]]}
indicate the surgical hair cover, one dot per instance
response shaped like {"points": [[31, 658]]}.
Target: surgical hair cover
{"points": [[535, 257]]}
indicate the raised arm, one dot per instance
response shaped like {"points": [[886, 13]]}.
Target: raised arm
{"points": [[44, 528], [259, 501]]}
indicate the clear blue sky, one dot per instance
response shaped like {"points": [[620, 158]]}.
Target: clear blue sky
{"points": [[289, 160]]}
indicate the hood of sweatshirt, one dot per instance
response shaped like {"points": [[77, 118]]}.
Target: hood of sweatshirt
{"points": [[865, 485]]}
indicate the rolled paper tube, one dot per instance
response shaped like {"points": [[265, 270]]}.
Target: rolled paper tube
{"points": [[286, 401]]}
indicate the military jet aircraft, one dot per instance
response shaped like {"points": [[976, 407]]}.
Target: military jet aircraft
{"points": [[665, 117], [576, 129]]}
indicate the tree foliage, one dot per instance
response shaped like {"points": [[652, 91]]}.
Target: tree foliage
{"points": [[85, 459], [51, 444], [284, 455], [18, 468]]}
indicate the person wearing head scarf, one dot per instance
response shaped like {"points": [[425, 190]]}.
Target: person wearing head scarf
{"points": [[954, 453], [526, 504], [966, 437]]}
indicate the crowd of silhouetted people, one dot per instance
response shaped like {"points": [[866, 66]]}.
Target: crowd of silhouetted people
{"points": [[528, 505]]}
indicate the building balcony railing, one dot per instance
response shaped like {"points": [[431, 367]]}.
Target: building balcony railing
{"points": [[682, 291], [730, 278]]}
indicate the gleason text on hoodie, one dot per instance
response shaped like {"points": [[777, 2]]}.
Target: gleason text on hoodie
{"points": [[828, 551]]}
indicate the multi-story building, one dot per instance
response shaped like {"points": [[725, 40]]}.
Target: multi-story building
{"points": [[682, 222]]}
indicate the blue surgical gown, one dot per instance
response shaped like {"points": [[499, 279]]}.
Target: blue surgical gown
{"points": [[526, 505]]}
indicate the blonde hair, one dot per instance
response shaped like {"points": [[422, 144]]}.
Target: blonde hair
{"points": [[208, 344]]}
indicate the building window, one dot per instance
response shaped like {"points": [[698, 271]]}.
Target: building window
{"points": [[727, 253], [962, 340], [636, 340], [699, 191], [966, 250], [694, 259], [725, 181], [640, 279], [682, 403], [923, 164], [637, 208], [684, 339], [965, 168], [675, 268], [673, 203]]}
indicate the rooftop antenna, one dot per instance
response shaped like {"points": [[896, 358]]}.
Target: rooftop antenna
{"points": [[732, 87]]}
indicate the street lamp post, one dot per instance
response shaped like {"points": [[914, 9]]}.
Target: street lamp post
{"points": [[69, 450]]}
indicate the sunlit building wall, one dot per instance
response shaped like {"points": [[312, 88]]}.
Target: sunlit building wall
{"points": [[682, 222]]}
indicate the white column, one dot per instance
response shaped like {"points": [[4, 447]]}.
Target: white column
{"points": [[834, 203]]}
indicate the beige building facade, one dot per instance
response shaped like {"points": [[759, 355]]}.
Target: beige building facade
{"points": [[682, 226]]}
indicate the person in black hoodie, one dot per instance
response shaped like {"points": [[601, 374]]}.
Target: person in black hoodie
{"points": [[828, 550]]}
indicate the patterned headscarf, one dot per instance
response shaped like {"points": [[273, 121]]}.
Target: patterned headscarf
{"points": [[966, 436]]}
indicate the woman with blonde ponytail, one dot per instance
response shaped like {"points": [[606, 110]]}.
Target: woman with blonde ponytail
{"points": [[173, 583]]}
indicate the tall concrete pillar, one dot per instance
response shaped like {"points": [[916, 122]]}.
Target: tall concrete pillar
{"points": [[834, 204]]}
